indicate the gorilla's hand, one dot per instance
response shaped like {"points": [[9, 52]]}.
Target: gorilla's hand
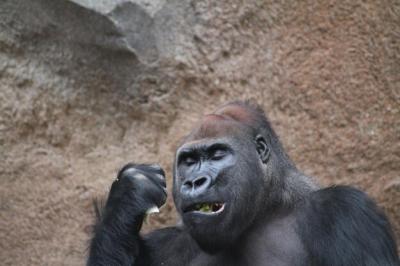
{"points": [[138, 189]]}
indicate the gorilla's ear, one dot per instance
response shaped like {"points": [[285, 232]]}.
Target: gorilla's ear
{"points": [[262, 148]]}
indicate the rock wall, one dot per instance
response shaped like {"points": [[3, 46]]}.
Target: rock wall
{"points": [[87, 86]]}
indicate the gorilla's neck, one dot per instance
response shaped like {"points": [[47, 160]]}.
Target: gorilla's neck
{"points": [[296, 186], [286, 188]]}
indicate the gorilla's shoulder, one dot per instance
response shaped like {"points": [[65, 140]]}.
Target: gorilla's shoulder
{"points": [[339, 197], [341, 225]]}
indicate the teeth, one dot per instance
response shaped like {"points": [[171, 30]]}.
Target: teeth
{"points": [[216, 207]]}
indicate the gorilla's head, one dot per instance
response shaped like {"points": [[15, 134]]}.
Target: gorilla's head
{"points": [[225, 174]]}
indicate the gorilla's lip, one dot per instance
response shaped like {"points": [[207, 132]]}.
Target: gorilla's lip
{"points": [[207, 208]]}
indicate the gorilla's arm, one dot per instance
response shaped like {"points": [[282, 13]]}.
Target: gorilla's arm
{"points": [[170, 246], [342, 226], [116, 240]]}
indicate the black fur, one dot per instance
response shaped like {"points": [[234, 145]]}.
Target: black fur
{"points": [[116, 240], [273, 214], [342, 226]]}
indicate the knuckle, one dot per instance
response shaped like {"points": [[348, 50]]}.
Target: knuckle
{"points": [[135, 174], [127, 171], [139, 176], [155, 167], [160, 177]]}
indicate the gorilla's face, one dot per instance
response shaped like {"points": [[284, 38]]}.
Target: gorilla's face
{"points": [[218, 188]]}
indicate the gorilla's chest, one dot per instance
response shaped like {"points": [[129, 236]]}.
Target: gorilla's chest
{"points": [[275, 244]]}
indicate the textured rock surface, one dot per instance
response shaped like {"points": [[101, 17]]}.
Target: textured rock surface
{"points": [[89, 85]]}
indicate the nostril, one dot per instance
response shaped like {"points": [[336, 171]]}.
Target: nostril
{"points": [[188, 184], [194, 187], [199, 182]]}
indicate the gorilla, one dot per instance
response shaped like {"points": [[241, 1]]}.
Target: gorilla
{"points": [[242, 201]]}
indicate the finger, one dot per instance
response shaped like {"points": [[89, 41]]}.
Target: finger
{"points": [[154, 168], [157, 168], [156, 194], [140, 175], [155, 177]]}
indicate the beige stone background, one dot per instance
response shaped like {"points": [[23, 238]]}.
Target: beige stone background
{"points": [[86, 86]]}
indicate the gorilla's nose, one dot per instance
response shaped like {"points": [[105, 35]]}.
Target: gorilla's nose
{"points": [[196, 186]]}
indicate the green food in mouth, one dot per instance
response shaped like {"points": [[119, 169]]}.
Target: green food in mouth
{"points": [[208, 207]]}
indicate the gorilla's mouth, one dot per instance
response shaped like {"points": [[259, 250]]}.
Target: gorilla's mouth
{"points": [[206, 208]]}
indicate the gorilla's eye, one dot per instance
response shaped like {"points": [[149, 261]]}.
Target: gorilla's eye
{"points": [[188, 157], [218, 155], [188, 160]]}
